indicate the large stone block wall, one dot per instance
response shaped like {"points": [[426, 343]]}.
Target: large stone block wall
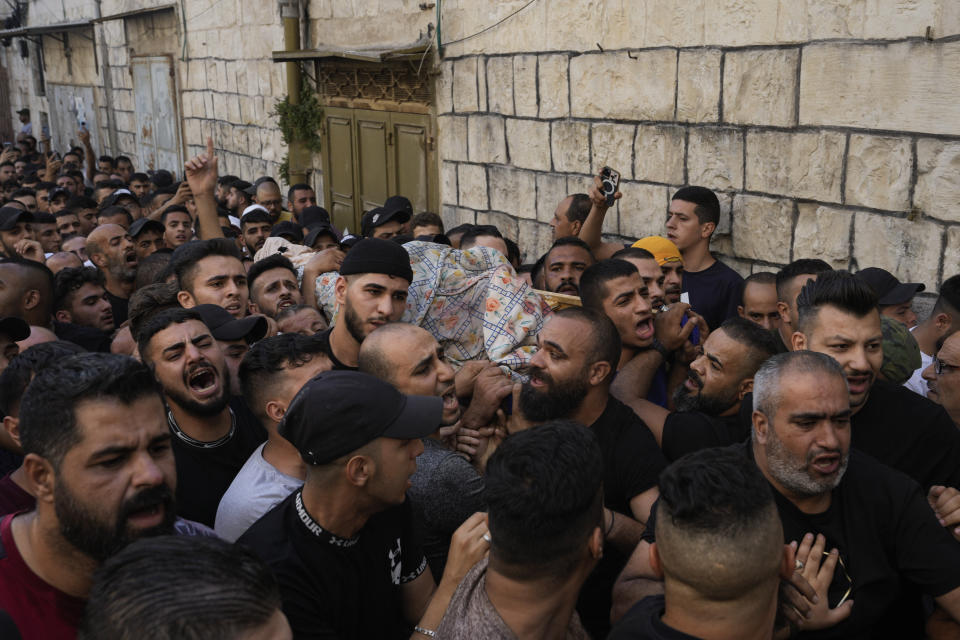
{"points": [[826, 130]]}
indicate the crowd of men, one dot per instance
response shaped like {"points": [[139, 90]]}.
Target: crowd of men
{"points": [[192, 447]]}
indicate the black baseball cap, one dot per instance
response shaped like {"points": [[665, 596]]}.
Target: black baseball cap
{"points": [[57, 192], [118, 195], [314, 215], [145, 224], [888, 288], [318, 230], [382, 215], [338, 412], [14, 328], [10, 216], [289, 230], [23, 111], [224, 326]]}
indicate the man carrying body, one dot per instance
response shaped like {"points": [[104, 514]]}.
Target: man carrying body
{"points": [[299, 197], [564, 264], [943, 321], [545, 510], [615, 288], [111, 250], [212, 435], [758, 302], [650, 273], [446, 488], [371, 291], [271, 374], [255, 225], [342, 547]]}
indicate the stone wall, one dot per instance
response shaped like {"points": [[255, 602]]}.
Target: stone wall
{"points": [[828, 129]]}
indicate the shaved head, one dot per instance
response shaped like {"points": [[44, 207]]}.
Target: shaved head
{"points": [[100, 237], [383, 348]]}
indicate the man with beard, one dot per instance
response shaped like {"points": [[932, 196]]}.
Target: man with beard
{"points": [[255, 225], [210, 272], [111, 250], [82, 312], [838, 316], [14, 229], [271, 374], [98, 460], [446, 488], [708, 402], [299, 197], [864, 531], [789, 281], [371, 291], [564, 263], [234, 337], [570, 379], [758, 301], [267, 195], [212, 435], [273, 286]]}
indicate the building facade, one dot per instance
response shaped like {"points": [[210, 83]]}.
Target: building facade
{"points": [[829, 128]]}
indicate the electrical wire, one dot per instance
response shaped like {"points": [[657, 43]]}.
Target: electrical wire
{"points": [[494, 25]]}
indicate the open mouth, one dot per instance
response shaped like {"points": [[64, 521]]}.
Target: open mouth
{"points": [[569, 289], [202, 381], [645, 329], [826, 465], [147, 517], [450, 401], [131, 257], [285, 303], [858, 384]]}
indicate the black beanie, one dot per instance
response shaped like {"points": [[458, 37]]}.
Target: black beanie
{"points": [[375, 255]]}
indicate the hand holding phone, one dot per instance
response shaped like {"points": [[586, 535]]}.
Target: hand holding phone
{"points": [[610, 181]]}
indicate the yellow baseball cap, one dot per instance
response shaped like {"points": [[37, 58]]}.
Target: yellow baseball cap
{"points": [[662, 249]]}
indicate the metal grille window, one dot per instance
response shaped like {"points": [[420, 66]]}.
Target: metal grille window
{"points": [[343, 82]]}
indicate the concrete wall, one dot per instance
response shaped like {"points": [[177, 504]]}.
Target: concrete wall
{"points": [[829, 129]]}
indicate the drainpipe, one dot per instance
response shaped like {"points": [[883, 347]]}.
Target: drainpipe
{"points": [[290, 14], [107, 85]]}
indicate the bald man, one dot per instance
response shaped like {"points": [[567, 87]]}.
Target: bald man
{"points": [[270, 198], [112, 251], [446, 488]]}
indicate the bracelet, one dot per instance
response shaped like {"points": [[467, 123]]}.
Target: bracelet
{"points": [[613, 517], [425, 632]]}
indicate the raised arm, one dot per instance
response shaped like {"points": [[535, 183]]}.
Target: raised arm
{"points": [[201, 176]]}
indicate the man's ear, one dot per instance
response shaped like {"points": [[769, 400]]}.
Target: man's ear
{"points": [[275, 410], [12, 426], [798, 341], [707, 229], [760, 426], [942, 322], [31, 298], [599, 372], [784, 312], [656, 563], [40, 477], [740, 310], [253, 308], [359, 470], [746, 386], [788, 562], [98, 259], [63, 316], [186, 300], [576, 225], [595, 544], [340, 290]]}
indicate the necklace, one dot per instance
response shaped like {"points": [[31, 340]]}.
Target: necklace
{"points": [[193, 442]]}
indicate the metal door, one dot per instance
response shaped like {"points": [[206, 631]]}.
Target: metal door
{"points": [[157, 123]]}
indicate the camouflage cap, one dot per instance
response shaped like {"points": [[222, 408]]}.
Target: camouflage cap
{"points": [[901, 354]]}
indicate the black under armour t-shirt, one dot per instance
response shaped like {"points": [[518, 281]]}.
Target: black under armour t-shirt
{"points": [[892, 547], [333, 587], [337, 365], [714, 292], [204, 472]]}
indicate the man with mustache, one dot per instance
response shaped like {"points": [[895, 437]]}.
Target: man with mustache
{"points": [[570, 379], [650, 272], [213, 434], [82, 312], [98, 461], [111, 250], [863, 531], [564, 263], [708, 401], [371, 291], [273, 286], [211, 272]]}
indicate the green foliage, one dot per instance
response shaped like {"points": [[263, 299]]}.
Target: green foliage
{"points": [[300, 122]]}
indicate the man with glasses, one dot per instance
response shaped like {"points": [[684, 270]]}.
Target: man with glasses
{"points": [[866, 539], [943, 376]]}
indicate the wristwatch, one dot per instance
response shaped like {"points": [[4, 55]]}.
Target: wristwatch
{"points": [[662, 350]]}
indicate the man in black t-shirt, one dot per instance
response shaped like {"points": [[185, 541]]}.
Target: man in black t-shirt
{"points": [[570, 379], [212, 435], [878, 542], [111, 249], [708, 402], [342, 547], [712, 506], [371, 291]]}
